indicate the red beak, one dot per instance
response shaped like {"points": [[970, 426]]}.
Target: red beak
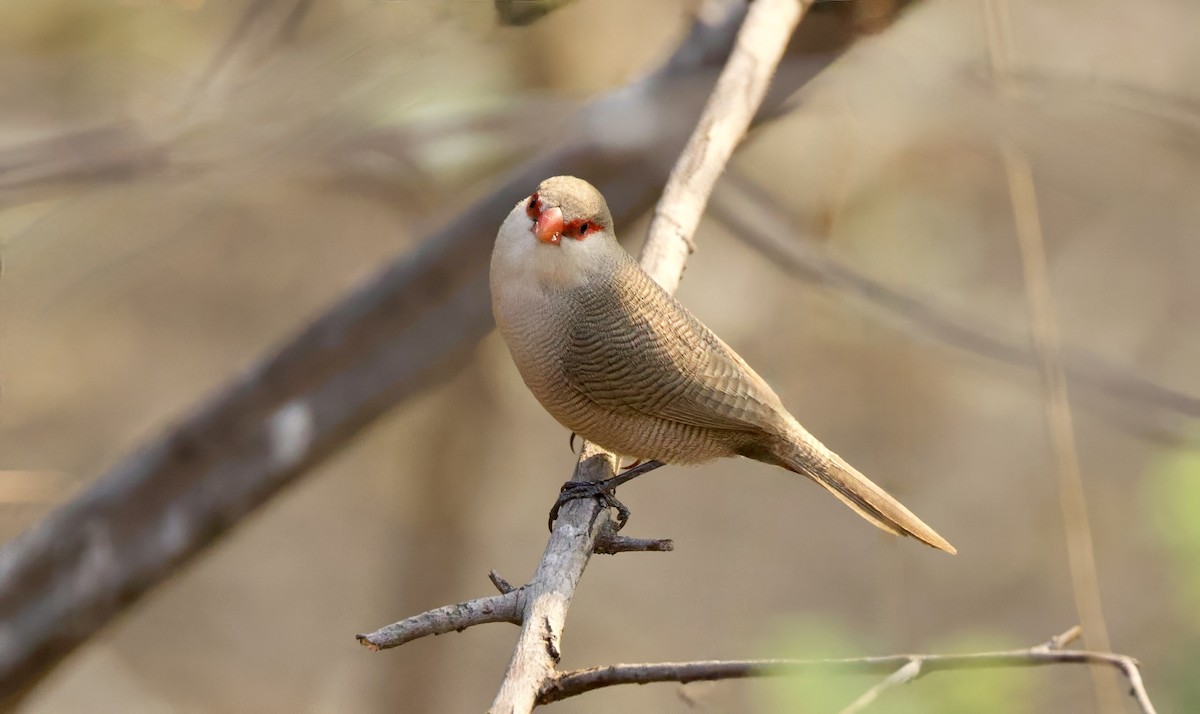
{"points": [[549, 226]]}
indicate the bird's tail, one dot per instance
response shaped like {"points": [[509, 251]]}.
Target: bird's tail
{"points": [[809, 457]]}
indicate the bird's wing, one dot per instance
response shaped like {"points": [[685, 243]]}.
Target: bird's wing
{"points": [[634, 348]]}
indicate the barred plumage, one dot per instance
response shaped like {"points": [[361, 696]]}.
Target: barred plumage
{"points": [[617, 360]]}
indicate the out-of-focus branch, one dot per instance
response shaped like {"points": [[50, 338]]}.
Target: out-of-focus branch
{"points": [[912, 669], [526, 12], [106, 152], [413, 322], [727, 114], [1081, 552], [263, 26], [123, 148], [756, 218], [576, 682]]}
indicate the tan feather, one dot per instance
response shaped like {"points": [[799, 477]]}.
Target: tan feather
{"points": [[620, 362]]}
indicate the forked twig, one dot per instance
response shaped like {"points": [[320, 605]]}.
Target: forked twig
{"points": [[899, 668]]}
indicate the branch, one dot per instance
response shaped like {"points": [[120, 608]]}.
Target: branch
{"points": [[409, 325], [912, 670], [727, 114], [726, 117], [526, 12], [506, 607], [758, 219], [576, 682], [609, 543], [1081, 551]]}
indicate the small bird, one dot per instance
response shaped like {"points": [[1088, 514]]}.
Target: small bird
{"points": [[616, 359]]}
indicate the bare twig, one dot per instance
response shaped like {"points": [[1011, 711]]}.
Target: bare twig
{"points": [[734, 102], [757, 218], [727, 114], [411, 324], [526, 12], [552, 588], [501, 584], [449, 618], [613, 543], [1081, 556], [576, 682], [263, 26], [1080, 550], [912, 670]]}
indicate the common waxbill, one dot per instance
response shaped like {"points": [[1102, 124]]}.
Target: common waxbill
{"points": [[617, 360]]}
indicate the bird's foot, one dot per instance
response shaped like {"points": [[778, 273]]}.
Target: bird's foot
{"points": [[600, 490]]}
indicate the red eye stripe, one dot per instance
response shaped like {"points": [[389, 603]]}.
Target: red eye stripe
{"points": [[580, 229], [533, 210]]}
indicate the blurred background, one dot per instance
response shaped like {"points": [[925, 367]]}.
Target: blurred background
{"points": [[177, 196]]}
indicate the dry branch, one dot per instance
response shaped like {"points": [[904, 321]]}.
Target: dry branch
{"points": [[727, 114], [506, 607], [583, 526], [911, 670], [1081, 552], [413, 322], [758, 219], [576, 682], [608, 543]]}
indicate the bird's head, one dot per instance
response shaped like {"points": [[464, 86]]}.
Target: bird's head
{"points": [[563, 232], [565, 208]]}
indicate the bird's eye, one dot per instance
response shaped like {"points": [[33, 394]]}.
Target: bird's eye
{"points": [[532, 209], [583, 229]]}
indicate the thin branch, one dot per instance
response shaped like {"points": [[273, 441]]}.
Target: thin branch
{"points": [[912, 670], [1081, 554], [410, 325], [727, 114], [576, 682], [908, 671], [526, 12], [613, 543], [501, 584], [758, 219], [264, 25], [407, 327], [552, 588], [449, 618]]}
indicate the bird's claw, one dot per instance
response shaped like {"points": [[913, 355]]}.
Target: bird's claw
{"points": [[600, 490]]}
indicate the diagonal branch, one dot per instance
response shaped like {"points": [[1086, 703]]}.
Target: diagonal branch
{"points": [[412, 323], [758, 219], [734, 102], [727, 115], [576, 682]]}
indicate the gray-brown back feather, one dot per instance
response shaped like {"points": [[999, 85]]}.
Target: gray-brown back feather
{"points": [[634, 348]]}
